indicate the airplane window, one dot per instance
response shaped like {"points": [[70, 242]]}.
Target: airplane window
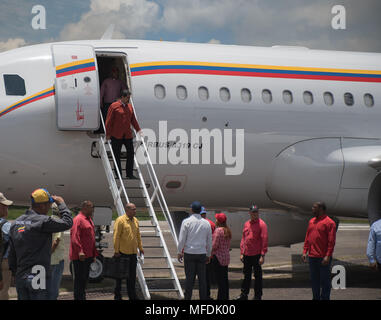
{"points": [[225, 94], [159, 91], [348, 99], [368, 100], [203, 93], [308, 97], [246, 95], [267, 96], [287, 96], [181, 92], [14, 85], [328, 98]]}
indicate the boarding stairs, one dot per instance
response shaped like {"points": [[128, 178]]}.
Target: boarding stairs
{"points": [[156, 273]]}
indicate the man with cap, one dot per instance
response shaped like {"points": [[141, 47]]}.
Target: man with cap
{"points": [[30, 244], [119, 119], [195, 247], [203, 215], [5, 274], [253, 249]]}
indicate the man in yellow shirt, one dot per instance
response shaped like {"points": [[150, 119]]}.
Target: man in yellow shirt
{"points": [[127, 241]]}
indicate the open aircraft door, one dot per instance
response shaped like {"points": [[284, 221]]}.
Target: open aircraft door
{"points": [[76, 87]]}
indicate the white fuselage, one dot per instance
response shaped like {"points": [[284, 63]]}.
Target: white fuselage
{"points": [[294, 153]]}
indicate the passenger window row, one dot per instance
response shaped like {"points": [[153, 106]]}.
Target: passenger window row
{"points": [[267, 97]]}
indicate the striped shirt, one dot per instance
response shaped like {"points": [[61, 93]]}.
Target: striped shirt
{"points": [[221, 247]]}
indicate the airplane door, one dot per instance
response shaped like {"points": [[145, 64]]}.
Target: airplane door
{"points": [[76, 87]]}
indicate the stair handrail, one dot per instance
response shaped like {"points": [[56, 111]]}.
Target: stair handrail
{"points": [[156, 183]]}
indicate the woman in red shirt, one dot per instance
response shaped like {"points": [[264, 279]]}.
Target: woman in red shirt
{"points": [[221, 256]]}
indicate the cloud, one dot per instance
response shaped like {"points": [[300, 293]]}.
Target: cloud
{"points": [[132, 18], [197, 15], [242, 22], [12, 43], [267, 23], [214, 41]]}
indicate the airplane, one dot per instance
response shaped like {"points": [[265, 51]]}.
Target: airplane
{"points": [[297, 126]]}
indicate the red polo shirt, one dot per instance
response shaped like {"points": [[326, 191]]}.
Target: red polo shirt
{"points": [[320, 238], [254, 238], [82, 237], [212, 224], [119, 119]]}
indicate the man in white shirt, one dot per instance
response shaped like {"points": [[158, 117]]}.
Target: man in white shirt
{"points": [[195, 246]]}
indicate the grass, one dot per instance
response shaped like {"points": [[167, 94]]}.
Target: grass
{"points": [[16, 211]]}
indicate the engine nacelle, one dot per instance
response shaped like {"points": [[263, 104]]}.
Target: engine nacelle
{"points": [[333, 170]]}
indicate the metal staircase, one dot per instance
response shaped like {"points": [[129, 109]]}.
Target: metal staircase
{"points": [[150, 273]]}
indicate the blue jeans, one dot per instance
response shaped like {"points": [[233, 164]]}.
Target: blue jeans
{"points": [[54, 282], [26, 292], [320, 278]]}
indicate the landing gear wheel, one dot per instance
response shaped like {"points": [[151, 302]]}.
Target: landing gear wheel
{"points": [[96, 270]]}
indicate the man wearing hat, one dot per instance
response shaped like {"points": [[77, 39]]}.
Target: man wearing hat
{"points": [[5, 275], [119, 119], [195, 246], [30, 244], [253, 249]]}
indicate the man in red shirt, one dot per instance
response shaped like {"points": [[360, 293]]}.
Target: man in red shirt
{"points": [[82, 248], [253, 249], [120, 117], [319, 244]]}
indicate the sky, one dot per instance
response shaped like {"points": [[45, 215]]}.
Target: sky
{"points": [[242, 22]]}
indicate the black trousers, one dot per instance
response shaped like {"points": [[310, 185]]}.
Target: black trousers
{"points": [[209, 277], [117, 150], [81, 276], [221, 273], [251, 263], [195, 264], [130, 280]]}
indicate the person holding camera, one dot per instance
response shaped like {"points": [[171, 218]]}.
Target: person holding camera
{"points": [[30, 244]]}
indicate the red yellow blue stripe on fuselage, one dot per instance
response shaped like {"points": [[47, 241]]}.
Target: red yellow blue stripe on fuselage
{"points": [[38, 96], [225, 69], [75, 67]]}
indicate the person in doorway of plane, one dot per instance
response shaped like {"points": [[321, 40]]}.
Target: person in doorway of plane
{"points": [[110, 92]]}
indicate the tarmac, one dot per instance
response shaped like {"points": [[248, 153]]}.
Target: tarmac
{"points": [[285, 276]]}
